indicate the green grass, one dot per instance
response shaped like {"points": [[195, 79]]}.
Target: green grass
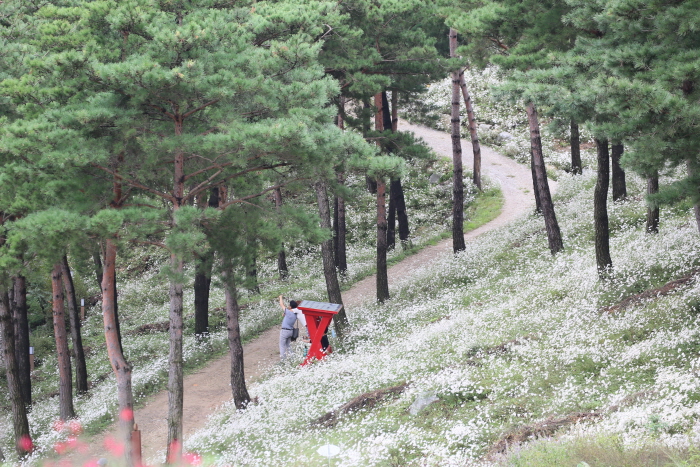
{"points": [[486, 207]]}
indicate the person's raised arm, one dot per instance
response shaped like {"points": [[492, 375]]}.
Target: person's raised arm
{"points": [[282, 304]]}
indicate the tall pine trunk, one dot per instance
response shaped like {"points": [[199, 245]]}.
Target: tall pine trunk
{"points": [[600, 210], [550, 219], [252, 270], [471, 121], [21, 331], [241, 398], [619, 185], [201, 287], [121, 368], [329, 271], [339, 226], [576, 168], [20, 423], [81, 376], [696, 206], [65, 384], [382, 274], [538, 202], [175, 372], [394, 110], [458, 184], [653, 206], [391, 219], [202, 279], [397, 202], [282, 269]]}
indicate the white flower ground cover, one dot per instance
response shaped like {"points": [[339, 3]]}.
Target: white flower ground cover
{"points": [[504, 335], [143, 300]]}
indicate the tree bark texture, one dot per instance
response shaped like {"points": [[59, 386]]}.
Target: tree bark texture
{"points": [[202, 286], [653, 207], [471, 120], [340, 227], [397, 203], [341, 257], [391, 220], [81, 376], [121, 368], [538, 202], [21, 331], [401, 214], [65, 385], [241, 398], [98, 266], [600, 210], [576, 168], [175, 372], [550, 219], [382, 274], [329, 271], [282, 269], [696, 207], [202, 279], [20, 423], [619, 185], [458, 185], [394, 110], [252, 270]]}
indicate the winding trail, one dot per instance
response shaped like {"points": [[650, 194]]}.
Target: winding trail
{"points": [[209, 387]]}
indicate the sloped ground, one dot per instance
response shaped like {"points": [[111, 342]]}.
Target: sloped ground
{"points": [[208, 388]]}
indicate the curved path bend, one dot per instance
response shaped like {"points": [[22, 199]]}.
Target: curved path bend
{"points": [[209, 387]]}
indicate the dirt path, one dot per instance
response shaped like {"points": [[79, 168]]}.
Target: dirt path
{"points": [[208, 388]]}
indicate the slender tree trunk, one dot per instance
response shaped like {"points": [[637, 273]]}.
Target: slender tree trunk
{"points": [[202, 280], [394, 110], [458, 184], [98, 266], [99, 269], [471, 119], [81, 377], [619, 186], [600, 210], [382, 274], [401, 214], [391, 220], [121, 368], [21, 330], [65, 385], [175, 371], [241, 398], [576, 167], [550, 219], [329, 272], [202, 286], [397, 203], [696, 206], [281, 255], [252, 271], [538, 201], [653, 206], [341, 258], [20, 423]]}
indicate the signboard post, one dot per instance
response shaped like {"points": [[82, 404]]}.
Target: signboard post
{"points": [[318, 318]]}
